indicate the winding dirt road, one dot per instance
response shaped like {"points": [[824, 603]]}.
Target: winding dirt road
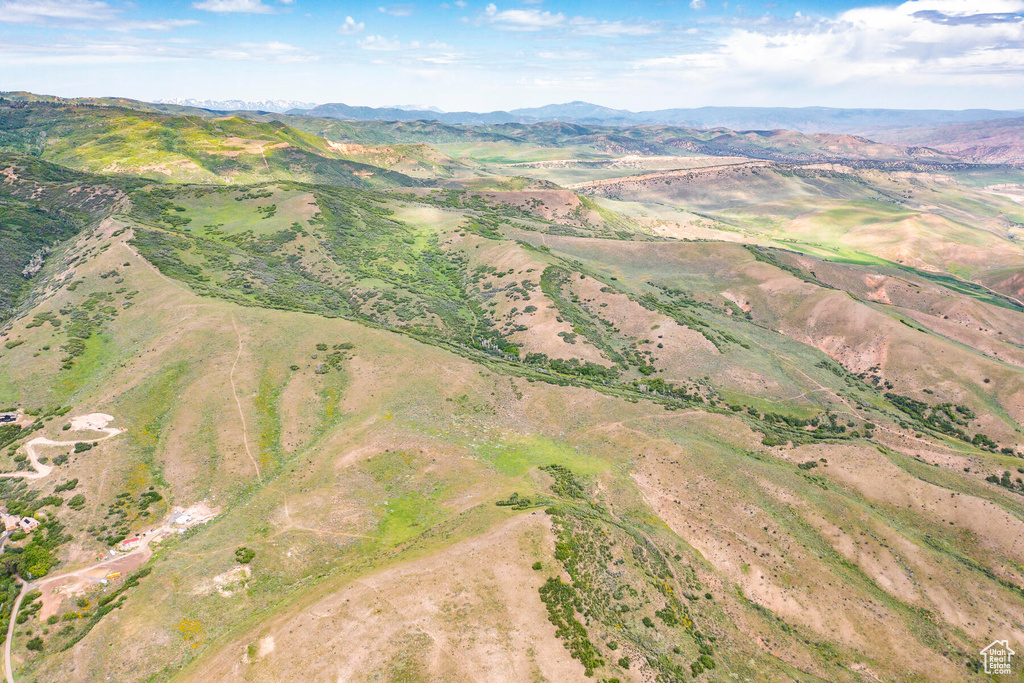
{"points": [[10, 633], [94, 422]]}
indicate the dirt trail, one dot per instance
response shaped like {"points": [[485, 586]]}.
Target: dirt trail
{"points": [[238, 402], [96, 422]]}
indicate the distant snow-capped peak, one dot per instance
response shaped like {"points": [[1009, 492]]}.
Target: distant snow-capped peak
{"points": [[277, 106]]}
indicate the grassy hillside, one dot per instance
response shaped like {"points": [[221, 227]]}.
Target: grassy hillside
{"points": [[111, 139], [746, 422], [42, 206]]}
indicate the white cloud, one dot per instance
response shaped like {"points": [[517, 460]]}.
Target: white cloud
{"points": [[245, 6], [440, 58], [396, 10], [523, 19], [351, 26], [610, 29], [536, 20], [46, 11], [82, 14], [460, 3], [945, 43], [153, 25], [379, 43], [434, 52], [566, 55], [272, 51], [698, 4]]}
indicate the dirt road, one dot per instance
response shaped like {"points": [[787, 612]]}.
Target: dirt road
{"points": [[10, 634], [94, 422]]}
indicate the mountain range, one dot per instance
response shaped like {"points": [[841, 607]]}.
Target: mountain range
{"points": [[802, 119]]}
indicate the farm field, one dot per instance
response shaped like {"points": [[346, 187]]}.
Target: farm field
{"points": [[313, 399]]}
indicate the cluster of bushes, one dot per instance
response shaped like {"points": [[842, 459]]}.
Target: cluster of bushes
{"points": [[562, 603], [663, 388], [9, 433], [945, 418], [517, 502], [147, 499], [587, 369], [565, 482], [1006, 481]]}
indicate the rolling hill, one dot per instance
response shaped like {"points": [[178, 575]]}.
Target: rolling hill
{"points": [[982, 141], [310, 399], [810, 120]]}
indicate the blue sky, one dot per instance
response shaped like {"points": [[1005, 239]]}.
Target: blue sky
{"points": [[466, 54]]}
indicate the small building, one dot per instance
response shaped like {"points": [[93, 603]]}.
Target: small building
{"points": [[10, 522], [131, 543], [28, 524]]}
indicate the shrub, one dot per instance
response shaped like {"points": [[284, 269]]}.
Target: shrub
{"points": [[35, 644], [244, 555], [537, 565]]}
